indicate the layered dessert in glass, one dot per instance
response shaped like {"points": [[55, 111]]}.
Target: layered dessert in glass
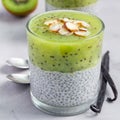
{"points": [[65, 59]]}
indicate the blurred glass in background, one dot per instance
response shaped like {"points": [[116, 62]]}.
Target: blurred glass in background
{"points": [[81, 5]]}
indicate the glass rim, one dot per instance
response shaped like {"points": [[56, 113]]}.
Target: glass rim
{"points": [[53, 11]]}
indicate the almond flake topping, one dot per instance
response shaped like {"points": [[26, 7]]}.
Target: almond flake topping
{"points": [[49, 22], [82, 33], [83, 29], [84, 24], [64, 19], [65, 26], [71, 26], [55, 27], [64, 31]]}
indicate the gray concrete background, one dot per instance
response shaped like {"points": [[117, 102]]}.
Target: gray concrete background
{"points": [[15, 102]]}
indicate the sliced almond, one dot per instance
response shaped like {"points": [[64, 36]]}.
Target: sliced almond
{"points": [[71, 26], [77, 21], [64, 19], [64, 31], [55, 27], [83, 29], [84, 24], [82, 33], [49, 22]]}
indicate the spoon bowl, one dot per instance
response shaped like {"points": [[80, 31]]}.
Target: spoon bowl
{"points": [[19, 78], [18, 63]]}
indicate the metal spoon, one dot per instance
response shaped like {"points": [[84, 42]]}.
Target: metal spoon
{"points": [[18, 63], [19, 78]]}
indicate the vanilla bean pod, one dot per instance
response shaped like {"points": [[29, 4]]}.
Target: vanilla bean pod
{"points": [[97, 108], [111, 83]]}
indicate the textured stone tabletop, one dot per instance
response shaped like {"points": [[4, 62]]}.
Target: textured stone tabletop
{"points": [[15, 102]]}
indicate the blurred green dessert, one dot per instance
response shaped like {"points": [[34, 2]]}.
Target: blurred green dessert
{"points": [[70, 3]]}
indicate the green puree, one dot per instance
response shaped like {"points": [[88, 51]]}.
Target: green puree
{"points": [[70, 3], [53, 52]]}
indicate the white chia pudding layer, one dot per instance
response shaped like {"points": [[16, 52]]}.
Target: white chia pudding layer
{"points": [[93, 8], [65, 89]]}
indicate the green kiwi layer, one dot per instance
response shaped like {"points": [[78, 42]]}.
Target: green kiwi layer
{"points": [[53, 52]]}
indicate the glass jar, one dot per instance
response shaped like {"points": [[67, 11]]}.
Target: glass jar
{"points": [[64, 70]]}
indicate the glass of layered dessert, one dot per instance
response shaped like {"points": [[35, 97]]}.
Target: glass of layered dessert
{"points": [[82, 5], [65, 59]]}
